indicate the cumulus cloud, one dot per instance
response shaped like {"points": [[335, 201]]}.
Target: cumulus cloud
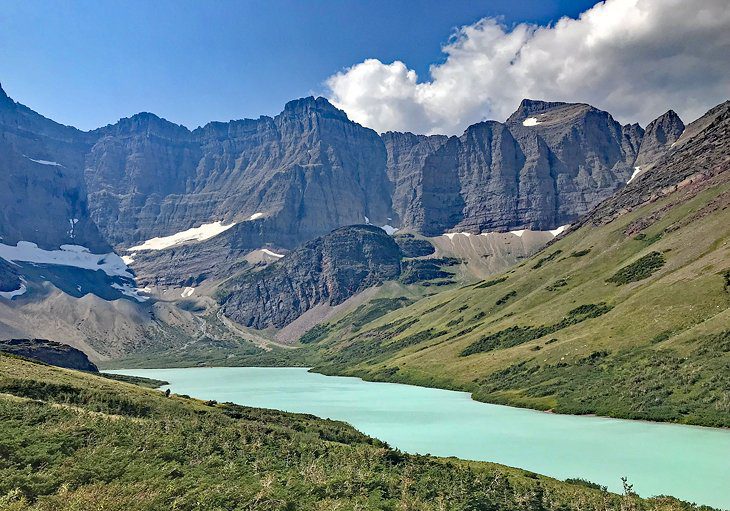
{"points": [[633, 58]]}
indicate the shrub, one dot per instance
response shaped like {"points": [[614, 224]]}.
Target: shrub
{"points": [[506, 298], [516, 335], [580, 253], [638, 270], [546, 259], [490, 283]]}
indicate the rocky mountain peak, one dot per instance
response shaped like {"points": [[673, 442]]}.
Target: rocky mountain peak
{"points": [[146, 123], [531, 107], [309, 105], [666, 127], [658, 138], [4, 99]]}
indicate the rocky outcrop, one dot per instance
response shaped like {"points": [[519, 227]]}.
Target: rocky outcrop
{"points": [[9, 280], [411, 246], [698, 159], [658, 138], [48, 352], [326, 270]]}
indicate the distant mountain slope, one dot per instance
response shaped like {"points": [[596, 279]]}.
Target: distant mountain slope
{"points": [[305, 172], [627, 315], [43, 196], [328, 270]]}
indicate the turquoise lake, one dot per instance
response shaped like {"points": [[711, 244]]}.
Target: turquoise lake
{"points": [[692, 463]]}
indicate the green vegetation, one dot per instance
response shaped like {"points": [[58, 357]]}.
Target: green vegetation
{"points": [[543, 260], [516, 335], [77, 441], [504, 299], [584, 482], [570, 357], [424, 270], [210, 352], [490, 283], [580, 253], [315, 334], [149, 383], [638, 270], [557, 284], [663, 384]]}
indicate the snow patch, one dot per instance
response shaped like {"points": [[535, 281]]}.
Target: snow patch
{"points": [[518, 233], [559, 230], [9, 295], [128, 260], [272, 254], [72, 222], [69, 255], [389, 229], [637, 170], [367, 220], [45, 162], [202, 233], [451, 235], [255, 216], [131, 291], [188, 291], [530, 121]]}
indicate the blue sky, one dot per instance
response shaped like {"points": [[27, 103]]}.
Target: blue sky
{"points": [[88, 63]]}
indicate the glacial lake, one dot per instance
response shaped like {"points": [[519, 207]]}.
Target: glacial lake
{"points": [[688, 462]]}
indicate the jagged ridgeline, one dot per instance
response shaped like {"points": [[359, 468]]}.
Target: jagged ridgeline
{"points": [[127, 238]]}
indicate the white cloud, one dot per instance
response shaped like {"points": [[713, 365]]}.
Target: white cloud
{"points": [[633, 58]]}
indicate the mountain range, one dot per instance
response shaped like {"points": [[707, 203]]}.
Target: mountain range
{"points": [[145, 233]]}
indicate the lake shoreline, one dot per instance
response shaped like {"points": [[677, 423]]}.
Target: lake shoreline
{"points": [[657, 456], [505, 403]]}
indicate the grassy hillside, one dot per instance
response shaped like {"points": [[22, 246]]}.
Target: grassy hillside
{"points": [[79, 441], [628, 318]]}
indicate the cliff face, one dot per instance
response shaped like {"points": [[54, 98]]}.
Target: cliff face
{"points": [[49, 352], [407, 154], [42, 191], [660, 134], [546, 166], [293, 177], [698, 159], [296, 176], [9, 280], [327, 270]]}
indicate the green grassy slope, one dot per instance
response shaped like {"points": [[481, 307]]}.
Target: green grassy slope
{"points": [[78, 441], [627, 316]]}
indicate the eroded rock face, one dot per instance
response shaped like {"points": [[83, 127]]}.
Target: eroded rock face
{"points": [[49, 352], [296, 176], [698, 159], [327, 270], [42, 192], [546, 166], [660, 134], [9, 280], [407, 154]]}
